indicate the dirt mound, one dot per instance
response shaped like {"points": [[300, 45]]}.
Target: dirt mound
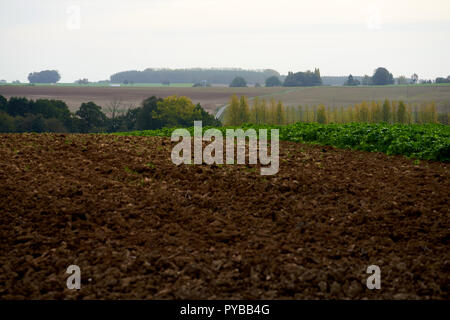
{"points": [[140, 227]]}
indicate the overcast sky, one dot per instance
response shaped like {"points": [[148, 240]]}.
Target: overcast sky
{"points": [[96, 38]]}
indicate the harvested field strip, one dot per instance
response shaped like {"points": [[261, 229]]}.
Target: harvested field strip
{"points": [[429, 142], [140, 227]]}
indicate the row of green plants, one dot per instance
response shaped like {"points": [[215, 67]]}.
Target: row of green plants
{"points": [[427, 141]]}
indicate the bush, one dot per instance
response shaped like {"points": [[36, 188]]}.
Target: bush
{"points": [[54, 125], [6, 123], [30, 123]]}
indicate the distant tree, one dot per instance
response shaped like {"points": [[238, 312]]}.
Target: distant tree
{"points": [[273, 81], [92, 116], [50, 109], [147, 117], [402, 80], [238, 82], [115, 113], [201, 84], [177, 111], [280, 114], [443, 80], [130, 118], [363, 115], [386, 111], [382, 77], [55, 125], [232, 112], [206, 118], [46, 76], [254, 111], [366, 80], [257, 85], [414, 78], [82, 81], [401, 112], [30, 123], [6, 123], [351, 81], [244, 112], [19, 106], [222, 76], [321, 114], [303, 79], [3, 103], [272, 112], [317, 78]]}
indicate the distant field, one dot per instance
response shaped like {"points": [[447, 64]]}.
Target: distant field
{"points": [[99, 85], [343, 96], [210, 98], [214, 97]]}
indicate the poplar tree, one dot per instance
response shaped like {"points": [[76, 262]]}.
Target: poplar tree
{"points": [[254, 114], [432, 112], [342, 115], [232, 112], [394, 106], [272, 111], [401, 112], [244, 112], [335, 115], [321, 115], [262, 112], [300, 113], [364, 112], [386, 111], [280, 114]]}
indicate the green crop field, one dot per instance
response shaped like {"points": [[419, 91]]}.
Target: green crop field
{"points": [[428, 142]]}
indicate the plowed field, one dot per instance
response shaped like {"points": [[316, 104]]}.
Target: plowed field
{"points": [[140, 227]]}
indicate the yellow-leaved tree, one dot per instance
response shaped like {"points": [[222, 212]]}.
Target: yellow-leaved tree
{"points": [[232, 112], [321, 114]]}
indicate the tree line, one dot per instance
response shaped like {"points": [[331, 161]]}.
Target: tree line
{"points": [[238, 78], [195, 75], [44, 115], [240, 111], [45, 76]]}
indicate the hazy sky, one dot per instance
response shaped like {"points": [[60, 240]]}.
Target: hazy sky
{"points": [[96, 38]]}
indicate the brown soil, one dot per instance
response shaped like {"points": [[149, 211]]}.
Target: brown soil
{"points": [[140, 227]]}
